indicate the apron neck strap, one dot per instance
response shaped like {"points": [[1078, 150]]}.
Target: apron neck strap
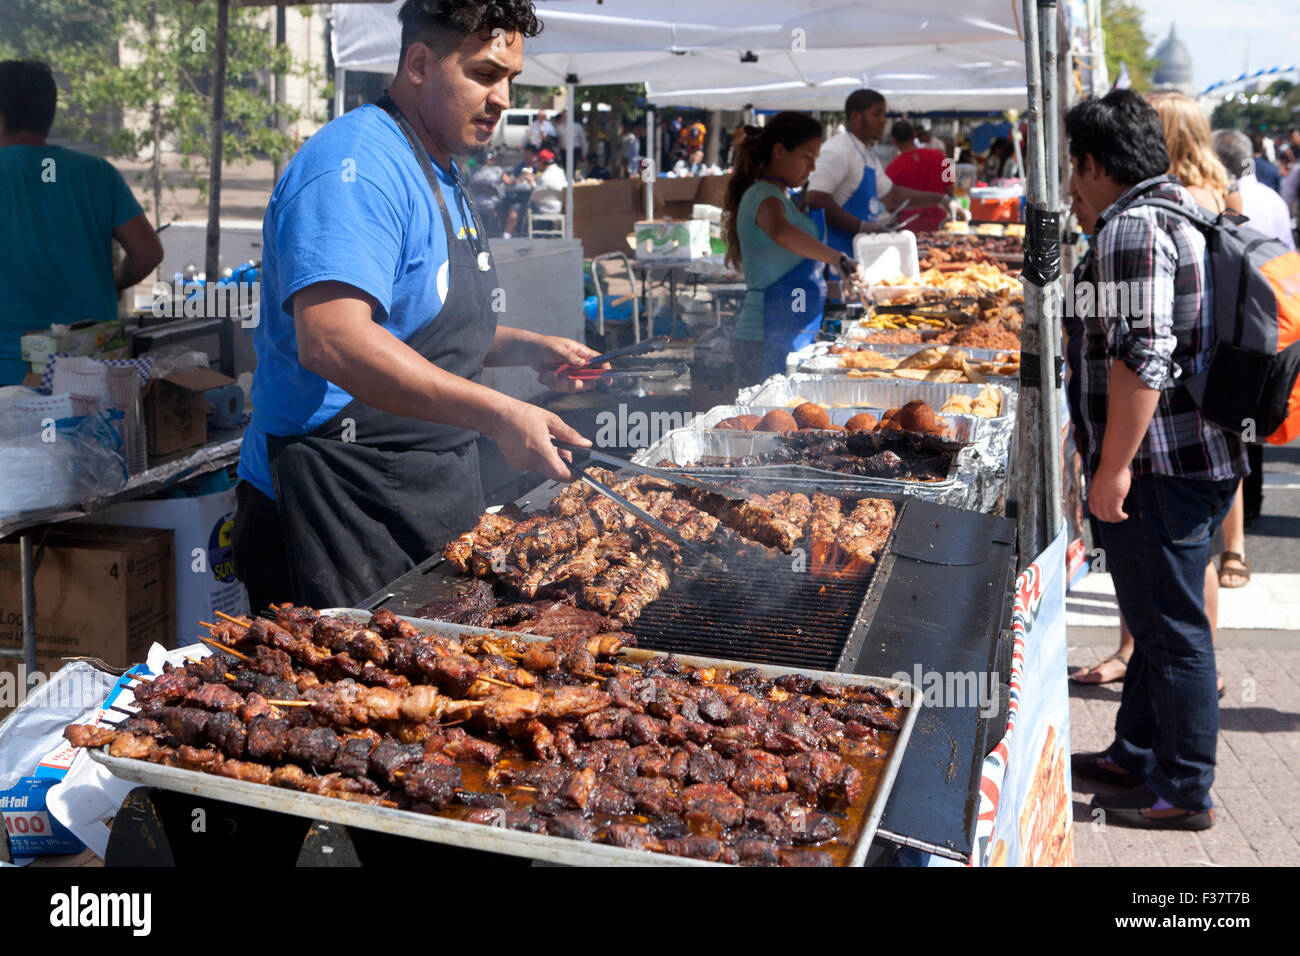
{"points": [[386, 103], [474, 227]]}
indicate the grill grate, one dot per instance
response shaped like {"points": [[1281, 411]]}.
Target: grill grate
{"points": [[763, 611]]}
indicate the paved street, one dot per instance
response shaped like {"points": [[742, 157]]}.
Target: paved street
{"points": [[1257, 785]]}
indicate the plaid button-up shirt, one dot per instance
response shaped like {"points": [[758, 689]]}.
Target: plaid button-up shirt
{"points": [[1147, 300]]}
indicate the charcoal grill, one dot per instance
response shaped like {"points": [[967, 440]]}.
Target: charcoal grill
{"points": [[938, 598]]}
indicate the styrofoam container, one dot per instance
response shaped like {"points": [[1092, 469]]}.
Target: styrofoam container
{"points": [[884, 255]]}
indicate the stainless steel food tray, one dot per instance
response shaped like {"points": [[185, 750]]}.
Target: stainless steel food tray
{"points": [[477, 836], [817, 358], [964, 427], [684, 447], [840, 391]]}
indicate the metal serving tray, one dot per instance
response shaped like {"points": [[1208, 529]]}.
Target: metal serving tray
{"points": [[817, 358], [686, 446], [964, 427], [840, 391], [477, 836]]}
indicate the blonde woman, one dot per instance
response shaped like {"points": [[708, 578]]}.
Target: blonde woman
{"points": [[1191, 152], [1193, 160]]}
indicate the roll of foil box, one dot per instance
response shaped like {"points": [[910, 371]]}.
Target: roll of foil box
{"points": [[225, 406]]}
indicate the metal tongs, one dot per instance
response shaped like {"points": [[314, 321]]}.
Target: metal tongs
{"points": [[600, 487], [591, 372]]}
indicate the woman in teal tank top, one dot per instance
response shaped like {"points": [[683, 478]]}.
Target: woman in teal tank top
{"points": [[776, 245]]}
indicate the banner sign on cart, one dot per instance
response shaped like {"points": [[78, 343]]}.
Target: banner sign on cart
{"points": [[1026, 814]]}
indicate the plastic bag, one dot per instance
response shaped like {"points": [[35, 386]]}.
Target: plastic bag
{"points": [[47, 462]]}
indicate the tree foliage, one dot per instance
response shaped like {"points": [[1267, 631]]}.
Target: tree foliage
{"points": [[137, 75], [1272, 111], [1127, 43]]}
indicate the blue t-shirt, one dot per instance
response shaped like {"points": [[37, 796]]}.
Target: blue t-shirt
{"points": [[58, 210], [352, 206]]}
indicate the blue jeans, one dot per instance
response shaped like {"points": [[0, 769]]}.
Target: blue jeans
{"points": [[1168, 722]]}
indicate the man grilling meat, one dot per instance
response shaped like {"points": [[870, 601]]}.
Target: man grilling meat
{"points": [[376, 324]]}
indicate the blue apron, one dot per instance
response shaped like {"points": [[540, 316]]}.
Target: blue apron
{"points": [[863, 203], [784, 329]]}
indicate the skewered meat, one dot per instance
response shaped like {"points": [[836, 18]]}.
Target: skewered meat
{"points": [[754, 521]]}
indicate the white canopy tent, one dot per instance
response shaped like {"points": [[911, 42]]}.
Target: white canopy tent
{"points": [[785, 54]]}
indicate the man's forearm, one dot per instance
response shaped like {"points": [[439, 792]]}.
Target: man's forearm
{"points": [[916, 198], [1130, 406], [128, 274], [375, 366]]}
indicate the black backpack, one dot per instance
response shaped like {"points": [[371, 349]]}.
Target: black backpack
{"points": [[1250, 387]]}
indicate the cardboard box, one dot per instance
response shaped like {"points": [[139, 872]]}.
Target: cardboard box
{"points": [[672, 239], [176, 411], [101, 591], [605, 213], [101, 340], [204, 567]]}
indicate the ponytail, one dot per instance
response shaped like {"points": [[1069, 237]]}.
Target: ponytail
{"points": [[752, 154]]}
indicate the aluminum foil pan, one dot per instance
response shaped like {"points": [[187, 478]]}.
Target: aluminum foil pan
{"points": [[983, 466], [964, 486], [477, 836], [964, 427], [817, 359]]}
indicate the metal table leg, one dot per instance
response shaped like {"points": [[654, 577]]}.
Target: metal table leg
{"points": [[27, 574]]}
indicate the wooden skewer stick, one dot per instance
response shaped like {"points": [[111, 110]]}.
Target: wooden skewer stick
{"points": [[233, 620], [493, 680], [123, 710], [226, 650], [290, 703], [208, 624]]}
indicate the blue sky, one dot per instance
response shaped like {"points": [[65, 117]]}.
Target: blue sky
{"points": [[1219, 34]]}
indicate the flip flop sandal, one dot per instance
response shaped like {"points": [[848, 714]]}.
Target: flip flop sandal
{"points": [[1241, 574], [1077, 676]]}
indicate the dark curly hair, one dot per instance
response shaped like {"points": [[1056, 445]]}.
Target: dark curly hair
{"points": [[1122, 132], [442, 24]]}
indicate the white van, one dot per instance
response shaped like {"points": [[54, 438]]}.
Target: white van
{"points": [[512, 129]]}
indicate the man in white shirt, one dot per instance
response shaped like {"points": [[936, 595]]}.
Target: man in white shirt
{"points": [[579, 136], [1266, 210], [539, 129], [548, 196], [849, 183]]}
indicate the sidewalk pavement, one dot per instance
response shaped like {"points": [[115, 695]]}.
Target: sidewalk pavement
{"points": [[1256, 791]]}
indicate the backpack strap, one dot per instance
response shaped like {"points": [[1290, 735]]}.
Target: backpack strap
{"points": [[1195, 216]]}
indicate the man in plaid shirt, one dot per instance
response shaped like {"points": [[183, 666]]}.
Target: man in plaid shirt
{"points": [[1160, 476]]}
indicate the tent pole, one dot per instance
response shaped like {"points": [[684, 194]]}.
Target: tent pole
{"points": [[570, 117], [650, 172], [340, 80], [1029, 425], [212, 250], [1053, 465]]}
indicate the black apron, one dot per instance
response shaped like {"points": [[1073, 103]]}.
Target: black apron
{"points": [[368, 495]]}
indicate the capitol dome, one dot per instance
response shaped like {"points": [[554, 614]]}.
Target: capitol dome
{"points": [[1175, 69]]}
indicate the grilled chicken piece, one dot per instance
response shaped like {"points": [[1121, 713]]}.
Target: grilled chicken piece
{"points": [[646, 585], [750, 519], [491, 529], [89, 735]]}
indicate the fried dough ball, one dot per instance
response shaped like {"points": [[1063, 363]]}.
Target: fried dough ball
{"points": [[861, 422], [739, 423], [777, 420], [917, 416], [812, 415]]}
